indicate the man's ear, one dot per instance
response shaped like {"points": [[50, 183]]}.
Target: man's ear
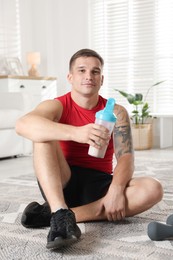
{"points": [[102, 80], [69, 77]]}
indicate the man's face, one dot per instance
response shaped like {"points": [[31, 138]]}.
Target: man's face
{"points": [[86, 75]]}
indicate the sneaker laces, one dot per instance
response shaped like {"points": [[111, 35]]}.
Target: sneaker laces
{"points": [[63, 222]]}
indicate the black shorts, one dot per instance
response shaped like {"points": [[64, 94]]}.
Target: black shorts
{"points": [[85, 186]]}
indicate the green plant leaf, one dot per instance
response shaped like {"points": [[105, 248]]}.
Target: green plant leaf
{"points": [[135, 112], [158, 83], [145, 107], [141, 107], [138, 97], [130, 98], [137, 103], [145, 114]]}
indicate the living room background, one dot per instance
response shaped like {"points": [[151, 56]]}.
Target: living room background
{"points": [[135, 38], [55, 28]]}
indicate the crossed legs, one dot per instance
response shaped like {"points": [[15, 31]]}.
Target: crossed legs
{"points": [[141, 194], [54, 173]]}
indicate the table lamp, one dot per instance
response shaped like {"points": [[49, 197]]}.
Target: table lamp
{"points": [[33, 59]]}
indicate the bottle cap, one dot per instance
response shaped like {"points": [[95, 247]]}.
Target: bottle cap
{"points": [[107, 114]]}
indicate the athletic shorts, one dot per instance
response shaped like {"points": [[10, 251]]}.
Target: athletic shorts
{"points": [[85, 186]]}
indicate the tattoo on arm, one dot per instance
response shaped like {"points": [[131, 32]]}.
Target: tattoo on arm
{"points": [[122, 133]]}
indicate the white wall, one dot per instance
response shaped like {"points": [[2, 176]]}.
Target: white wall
{"points": [[57, 29]]}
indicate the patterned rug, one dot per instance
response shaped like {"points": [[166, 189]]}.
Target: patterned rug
{"points": [[101, 240]]}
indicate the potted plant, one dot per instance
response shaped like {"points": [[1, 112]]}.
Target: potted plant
{"points": [[141, 127]]}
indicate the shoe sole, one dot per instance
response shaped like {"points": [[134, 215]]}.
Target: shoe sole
{"points": [[59, 242], [35, 226]]}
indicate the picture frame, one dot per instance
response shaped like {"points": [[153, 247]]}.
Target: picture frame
{"points": [[14, 66], [3, 67]]}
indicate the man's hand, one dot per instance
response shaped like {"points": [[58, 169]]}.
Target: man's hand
{"points": [[92, 134], [113, 204]]}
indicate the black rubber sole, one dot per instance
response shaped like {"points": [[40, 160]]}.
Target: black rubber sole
{"points": [[60, 242]]}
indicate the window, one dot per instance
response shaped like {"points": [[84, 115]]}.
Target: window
{"points": [[135, 39], [9, 29]]}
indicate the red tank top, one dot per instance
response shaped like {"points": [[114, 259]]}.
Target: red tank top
{"points": [[77, 153]]}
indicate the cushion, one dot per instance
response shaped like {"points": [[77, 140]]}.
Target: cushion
{"points": [[8, 118]]}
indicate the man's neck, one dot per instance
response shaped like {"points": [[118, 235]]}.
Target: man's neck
{"points": [[85, 101]]}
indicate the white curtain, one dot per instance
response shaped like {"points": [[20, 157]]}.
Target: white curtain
{"points": [[135, 39], [10, 45]]}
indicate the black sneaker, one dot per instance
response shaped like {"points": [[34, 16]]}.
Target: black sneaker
{"points": [[63, 229], [36, 215]]}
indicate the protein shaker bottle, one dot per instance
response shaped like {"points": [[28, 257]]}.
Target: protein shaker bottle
{"points": [[106, 118]]}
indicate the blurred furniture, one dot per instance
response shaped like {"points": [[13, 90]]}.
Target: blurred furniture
{"points": [[40, 88], [163, 129], [12, 106], [19, 95]]}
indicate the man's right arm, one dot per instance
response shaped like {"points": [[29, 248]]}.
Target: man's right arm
{"points": [[42, 125]]}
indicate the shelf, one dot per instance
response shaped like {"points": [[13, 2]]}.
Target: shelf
{"points": [[26, 77]]}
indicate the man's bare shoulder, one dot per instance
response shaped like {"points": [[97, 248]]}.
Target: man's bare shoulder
{"points": [[122, 115], [51, 109]]}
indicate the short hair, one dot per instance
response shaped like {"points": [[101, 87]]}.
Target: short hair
{"points": [[85, 53]]}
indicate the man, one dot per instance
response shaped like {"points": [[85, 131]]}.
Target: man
{"points": [[78, 187]]}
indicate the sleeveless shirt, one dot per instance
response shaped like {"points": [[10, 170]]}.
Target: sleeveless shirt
{"points": [[77, 153]]}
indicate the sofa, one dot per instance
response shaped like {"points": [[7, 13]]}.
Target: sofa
{"points": [[12, 106]]}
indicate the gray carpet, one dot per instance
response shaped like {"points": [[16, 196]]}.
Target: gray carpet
{"points": [[125, 240]]}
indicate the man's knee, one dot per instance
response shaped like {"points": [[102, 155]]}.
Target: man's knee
{"points": [[157, 190], [149, 190], [153, 190]]}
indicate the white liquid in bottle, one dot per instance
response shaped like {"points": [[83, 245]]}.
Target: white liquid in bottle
{"points": [[106, 118]]}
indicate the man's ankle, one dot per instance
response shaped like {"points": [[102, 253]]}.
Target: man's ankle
{"points": [[58, 208]]}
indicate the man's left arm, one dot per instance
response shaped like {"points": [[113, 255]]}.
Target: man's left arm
{"points": [[123, 148], [115, 200]]}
